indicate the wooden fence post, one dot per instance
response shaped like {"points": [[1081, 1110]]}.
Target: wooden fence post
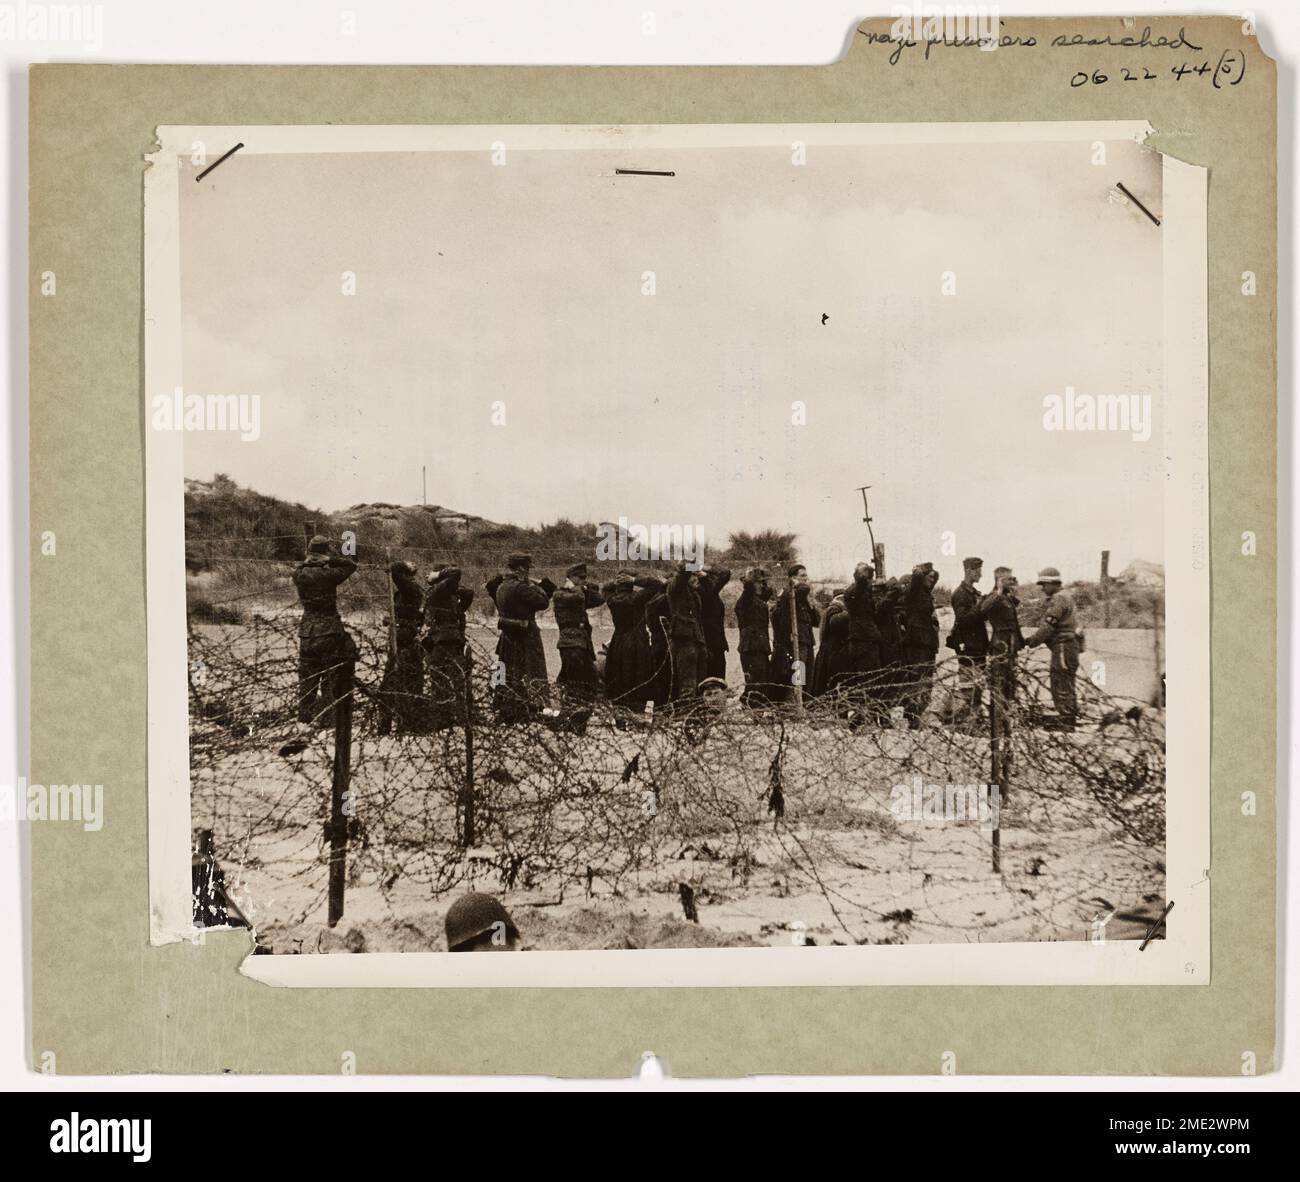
{"points": [[999, 744], [796, 688], [467, 792], [1105, 588], [1158, 692], [337, 828]]}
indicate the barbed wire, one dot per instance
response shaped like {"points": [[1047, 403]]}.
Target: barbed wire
{"points": [[768, 799]]}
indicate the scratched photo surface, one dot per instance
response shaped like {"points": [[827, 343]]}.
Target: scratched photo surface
{"points": [[503, 467]]}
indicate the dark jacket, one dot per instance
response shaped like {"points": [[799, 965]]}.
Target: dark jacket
{"points": [[969, 629], [752, 619], [444, 610], [713, 614], [684, 602], [518, 601], [629, 670], [408, 602], [891, 632], [921, 626], [1058, 621], [808, 615], [659, 624], [1001, 612], [316, 580], [571, 604], [832, 647], [860, 603]]}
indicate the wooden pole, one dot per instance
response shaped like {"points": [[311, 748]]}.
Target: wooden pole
{"points": [[337, 829], [392, 607], [995, 756], [1159, 691], [796, 690], [878, 553], [1105, 588], [467, 805]]}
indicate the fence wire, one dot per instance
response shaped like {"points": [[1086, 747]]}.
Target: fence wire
{"points": [[772, 800]]}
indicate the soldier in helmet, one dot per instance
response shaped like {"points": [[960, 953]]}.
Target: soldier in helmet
{"points": [[402, 687], [577, 679], [1059, 632], [522, 692], [479, 923], [325, 650], [443, 638]]}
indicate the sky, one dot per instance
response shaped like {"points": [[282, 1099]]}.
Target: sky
{"points": [[522, 285]]}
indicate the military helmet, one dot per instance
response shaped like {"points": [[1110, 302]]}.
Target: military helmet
{"points": [[320, 544], [1049, 574], [474, 915]]}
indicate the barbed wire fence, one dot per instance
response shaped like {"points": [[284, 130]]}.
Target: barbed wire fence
{"points": [[711, 805]]}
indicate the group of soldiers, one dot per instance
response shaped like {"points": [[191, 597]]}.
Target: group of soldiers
{"points": [[874, 647]]}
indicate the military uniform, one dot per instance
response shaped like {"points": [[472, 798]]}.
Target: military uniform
{"points": [[325, 650], [832, 648], [659, 624], [577, 679], [519, 646], [713, 619], [807, 618], [1003, 615], [402, 688], [920, 645], [862, 658], [755, 641], [629, 669], [970, 638], [1061, 636], [443, 639], [892, 680], [689, 653]]}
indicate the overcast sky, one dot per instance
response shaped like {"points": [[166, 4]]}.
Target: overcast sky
{"points": [[523, 284]]}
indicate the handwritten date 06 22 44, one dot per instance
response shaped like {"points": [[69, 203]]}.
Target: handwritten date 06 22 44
{"points": [[1229, 71]]}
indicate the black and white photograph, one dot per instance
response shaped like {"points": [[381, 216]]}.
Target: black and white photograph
{"points": [[770, 545]]}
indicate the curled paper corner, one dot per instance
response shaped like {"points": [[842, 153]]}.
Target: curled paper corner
{"points": [[153, 149]]}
